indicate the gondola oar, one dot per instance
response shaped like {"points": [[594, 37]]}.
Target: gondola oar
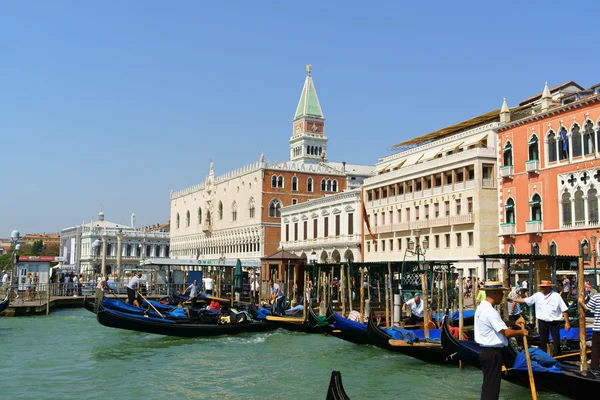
{"points": [[521, 323], [151, 305]]}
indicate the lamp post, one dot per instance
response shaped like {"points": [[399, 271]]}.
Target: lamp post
{"points": [[595, 254], [14, 237], [419, 249]]}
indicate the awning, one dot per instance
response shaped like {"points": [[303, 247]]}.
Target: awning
{"points": [[533, 140], [474, 140], [432, 153], [412, 160], [452, 146], [397, 165], [535, 201], [382, 167]]}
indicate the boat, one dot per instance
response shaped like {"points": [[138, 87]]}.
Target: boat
{"points": [[431, 352], [292, 324], [6, 302], [468, 317], [343, 328], [336, 389], [161, 326], [89, 304]]}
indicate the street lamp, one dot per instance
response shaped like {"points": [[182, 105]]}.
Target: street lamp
{"points": [[595, 254], [14, 237], [418, 248]]}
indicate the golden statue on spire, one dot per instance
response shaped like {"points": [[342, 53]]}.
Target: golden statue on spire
{"points": [[308, 69]]}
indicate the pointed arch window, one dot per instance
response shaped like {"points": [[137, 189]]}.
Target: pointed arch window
{"points": [[328, 185], [511, 249], [295, 183], [592, 199], [274, 181], [323, 185], [535, 248], [280, 181], [220, 214], [208, 219], [309, 185], [507, 155], [275, 208], [334, 186], [552, 156], [579, 207], [187, 218], [563, 144], [534, 148], [588, 138], [234, 211], [552, 250], [251, 207], [536, 207], [584, 250], [199, 215], [576, 140], [567, 216], [177, 221], [509, 211]]}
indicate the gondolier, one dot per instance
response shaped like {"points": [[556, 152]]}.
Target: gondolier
{"points": [[549, 309], [491, 334], [416, 309], [132, 286]]}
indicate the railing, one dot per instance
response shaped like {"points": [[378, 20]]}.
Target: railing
{"points": [[441, 221], [382, 228], [533, 226], [470, 184], [461, 219], [532, 165], [506, 171], [508, 229], [437, 190], [488, 183]]}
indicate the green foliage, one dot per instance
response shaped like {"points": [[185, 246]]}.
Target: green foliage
{"points": [[37, 248]]}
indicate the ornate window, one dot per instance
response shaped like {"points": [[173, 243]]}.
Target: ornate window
{"points": [[251, 207], [552, 250], [576, 140], [579, 207], [234, 211], [592, 199], [509, 211], [563, 144], [511, 249], [275, 208], [334, 186], [177, 221], [552, 156], [280, 181], [220, 214], [535, 248], [588, 138], [507, 155], [536, 207], [584, 250], [295, 183], [565, 201], [199, 215], [534, 148], [309, 185], [187, 218], [323, 185], [274, 181], [328, 185], [208, 219]]}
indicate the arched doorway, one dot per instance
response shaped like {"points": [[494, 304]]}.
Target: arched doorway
{"points": [[335, 255], [323, 257], [348, 256]]}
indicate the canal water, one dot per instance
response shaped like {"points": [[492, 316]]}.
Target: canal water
{"points": [[70, 356]]}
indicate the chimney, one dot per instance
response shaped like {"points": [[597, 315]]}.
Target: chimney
{"points": [[546, 98], [504, 113], [343, 166]]}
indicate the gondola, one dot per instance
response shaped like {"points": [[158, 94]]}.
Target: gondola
{"points": [[89, 304], [424, 351], [338, 329], [292, 324], [6, 302], [159, 326], [336, 389]]}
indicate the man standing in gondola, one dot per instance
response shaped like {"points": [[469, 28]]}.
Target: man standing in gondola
{"points": [[132, 286], [194, 289], [491, 334], [416, 309], [593, 305]]}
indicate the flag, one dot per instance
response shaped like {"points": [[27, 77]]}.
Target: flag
{"points": [[366, 219], [563, 136], [197, 253]]}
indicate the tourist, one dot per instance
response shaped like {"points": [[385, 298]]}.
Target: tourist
{"points": [[208, 285], [75, 285], [416, 309], [103, 285], [566, 288], [491, 334], [70, 285], [35, 286], [194, 289], [280, 299], [132, 287], [481, 296], [80, 293], [549, 306], [4, 278], [256, 288], [514, 309], [593, 305], [524, 288]]}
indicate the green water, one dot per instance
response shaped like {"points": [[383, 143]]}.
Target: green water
{"points": [[70, 356]]}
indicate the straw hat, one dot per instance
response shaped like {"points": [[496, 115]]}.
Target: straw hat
{"points": [[546, 284], [493, 285]]}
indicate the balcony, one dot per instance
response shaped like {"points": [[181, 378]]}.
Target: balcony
{"points": [[534, 226], [488, 183], [381, 228], [402, 226], [421, 224], [442, 221], [461, 219], [508, 229], [532, 165], [206, 228], [506, 171]]}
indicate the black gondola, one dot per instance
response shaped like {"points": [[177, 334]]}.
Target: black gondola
{"points": [[116, 319], [424, 351], [6, 302], [336, 389], [292, 324], [332, 330], [343, 328], [89, 304]]}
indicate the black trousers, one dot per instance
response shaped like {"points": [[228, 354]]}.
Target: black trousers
{"points": [[545, 328], [130, 295], [595, 350], [491, 366], [414, 319]]}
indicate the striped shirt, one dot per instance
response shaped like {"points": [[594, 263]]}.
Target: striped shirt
{"points": [[594, 306], [514, 308]]}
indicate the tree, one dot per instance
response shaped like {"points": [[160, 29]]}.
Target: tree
{"points": [[37, 248], [51, 249]]}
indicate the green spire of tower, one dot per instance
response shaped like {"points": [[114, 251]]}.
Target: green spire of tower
{"points": [[309, 105]]}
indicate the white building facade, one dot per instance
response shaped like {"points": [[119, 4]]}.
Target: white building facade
{"points": [[136, 245], [325, 230], [443, 184]]}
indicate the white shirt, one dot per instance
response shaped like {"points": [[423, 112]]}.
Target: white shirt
{"points": [[524, 285], [5, 278], [194, 290], [255, 286], [133, 283], [208, 283], [547, 307], [488, 325], [415, 309]]}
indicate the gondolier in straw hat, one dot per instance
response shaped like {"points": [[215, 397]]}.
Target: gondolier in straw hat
{"points": [[549, 310], [491, 334]]}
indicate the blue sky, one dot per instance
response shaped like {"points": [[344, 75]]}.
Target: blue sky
{"points": [[118, 102]]}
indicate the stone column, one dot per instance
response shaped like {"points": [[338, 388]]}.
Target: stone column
{"points": [[103, 268], [119, 254]]}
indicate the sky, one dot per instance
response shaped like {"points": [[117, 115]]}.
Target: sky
{"points": [[115, 103]]}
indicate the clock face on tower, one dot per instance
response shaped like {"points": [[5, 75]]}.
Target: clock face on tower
{"points": [[298, 129]]}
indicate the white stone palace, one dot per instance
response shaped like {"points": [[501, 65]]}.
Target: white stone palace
{"points": [[136, 244]]}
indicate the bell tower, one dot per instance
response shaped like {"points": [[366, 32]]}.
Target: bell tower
{"points": [[308, 142]]}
